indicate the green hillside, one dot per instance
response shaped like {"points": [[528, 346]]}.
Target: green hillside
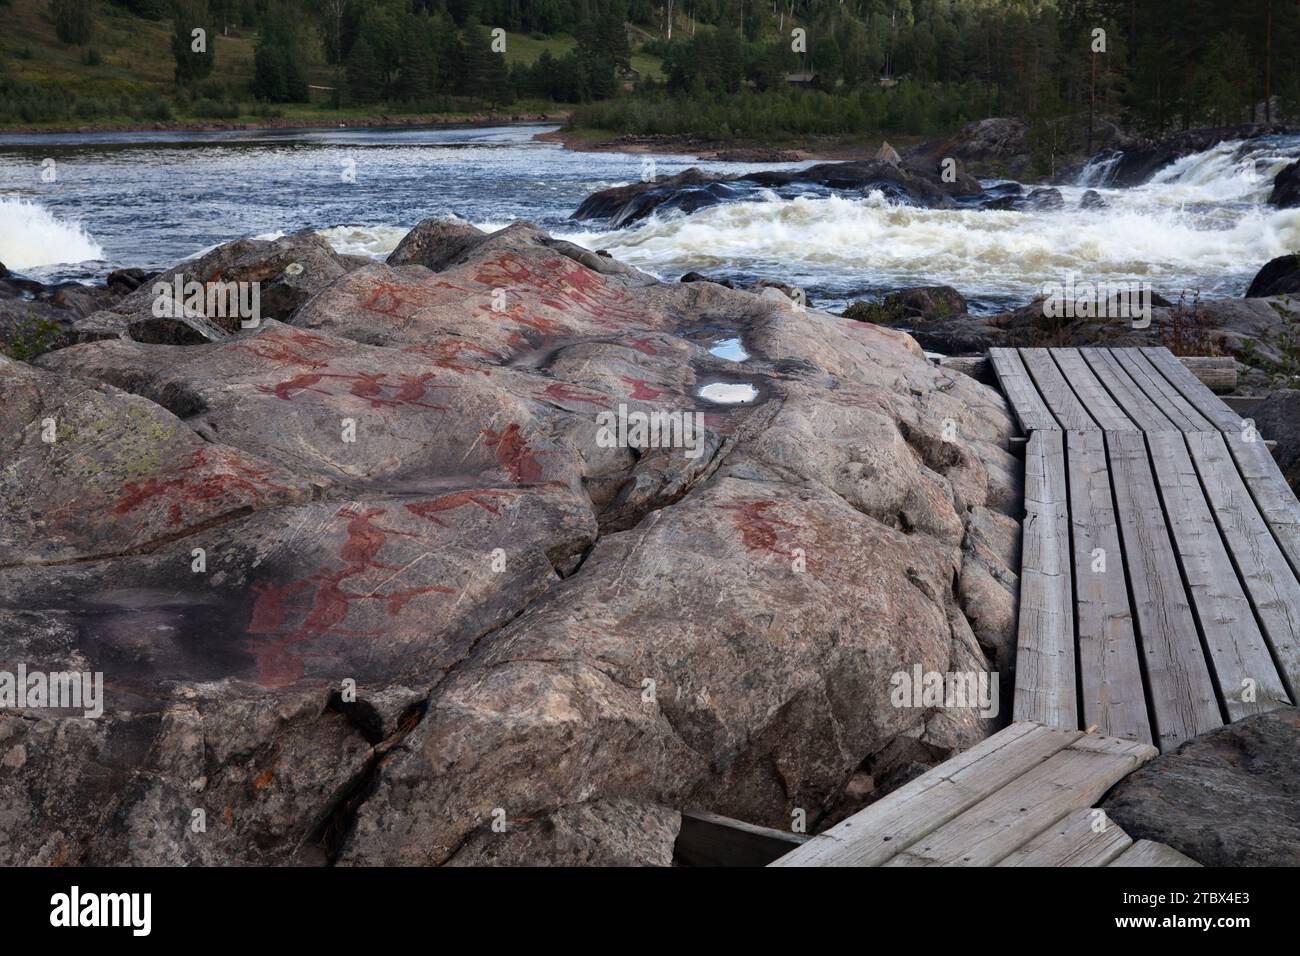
{"points": [[124, 73]]}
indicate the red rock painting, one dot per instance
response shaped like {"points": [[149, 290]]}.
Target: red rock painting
{"points": [[514, 455], [459, 499], [641, 389], [758, 527], [563, 392], [224, 476], [329, 602]]}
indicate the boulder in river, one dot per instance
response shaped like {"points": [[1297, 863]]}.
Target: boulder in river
{"points": [[1286, 188], [1225, 798], [692, 190], [1134, 164], [1280, 276], [404, 491]]}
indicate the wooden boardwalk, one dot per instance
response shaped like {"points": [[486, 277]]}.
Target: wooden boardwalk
{"points": [[1021, 798], [1159, 595], [1159, 599]]}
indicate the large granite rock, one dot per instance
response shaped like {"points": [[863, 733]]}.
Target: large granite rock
{"points": [[1278, 418], [370, 585], [1227, 798], [1279, 276]]}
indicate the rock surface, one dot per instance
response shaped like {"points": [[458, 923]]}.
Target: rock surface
{"points": [[364, 582], [1226, 798], [1278, 418], [1255, 331], [1280, 276], [1286, 188], [1135, 163]]}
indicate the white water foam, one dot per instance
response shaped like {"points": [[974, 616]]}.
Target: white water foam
{"points": [[32, 236], [1205, 217]]}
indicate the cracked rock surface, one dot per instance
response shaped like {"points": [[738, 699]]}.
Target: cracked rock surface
{"points": [[367, 585]]}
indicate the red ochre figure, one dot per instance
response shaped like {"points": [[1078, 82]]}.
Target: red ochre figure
{"points": [[758, 529], [458, 499]]}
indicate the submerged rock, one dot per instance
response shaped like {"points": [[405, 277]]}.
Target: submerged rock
{"points": [[693, 189], [362, 581], [1226, 798]]}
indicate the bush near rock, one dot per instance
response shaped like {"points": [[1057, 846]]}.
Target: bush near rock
{"points": [[405, 486]]}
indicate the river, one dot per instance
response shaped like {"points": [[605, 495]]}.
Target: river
{"points": [[75, 206]]}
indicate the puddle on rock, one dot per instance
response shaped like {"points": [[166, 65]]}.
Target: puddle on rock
{"points": [[732, 350], [729, 393]]}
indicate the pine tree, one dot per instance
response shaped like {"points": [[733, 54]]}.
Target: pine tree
{"points": [[73, 20], [195, 53], [365, 80]]}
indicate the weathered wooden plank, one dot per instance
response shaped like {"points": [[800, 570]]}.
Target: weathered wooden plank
{"points": [[1247, 677], [896, 821], [1082, 838], [1270, 490], [1107, 412], [1218, 373], [1113, 697], [1167, 398], [1128, 395], [1056, 391], [1269, 580], [1149, 853], [1189, 386], [1021, 392], [1044, 670], [1183, 701], [1008, 819], [708, 839]]}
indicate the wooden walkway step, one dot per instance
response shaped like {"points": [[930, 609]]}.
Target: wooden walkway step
{"points": [[1024, 797], [1160, 585]]}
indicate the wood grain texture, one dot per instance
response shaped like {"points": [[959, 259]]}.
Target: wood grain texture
{"points": [[1045, 669], [1126, 392], [708, 839], [1114, 700], [1164, 396], [1021, 391], [1056, 391], [1182, 696], [1092, 393], [1149, 853], [1272, 494], [1268, 578], [1082, 838], [991, 830], [1211, 407], [895, 822], [1243, 666]]}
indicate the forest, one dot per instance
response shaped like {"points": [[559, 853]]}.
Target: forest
{"points": [[726, 69]]}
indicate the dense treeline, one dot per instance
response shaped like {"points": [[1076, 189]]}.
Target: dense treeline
{"points": [[751, 67]]}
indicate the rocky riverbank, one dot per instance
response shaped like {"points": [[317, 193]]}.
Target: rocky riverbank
{"points": [[367, 583]]}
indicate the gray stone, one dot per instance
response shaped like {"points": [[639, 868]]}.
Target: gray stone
{"points": [[1227, 798]]}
